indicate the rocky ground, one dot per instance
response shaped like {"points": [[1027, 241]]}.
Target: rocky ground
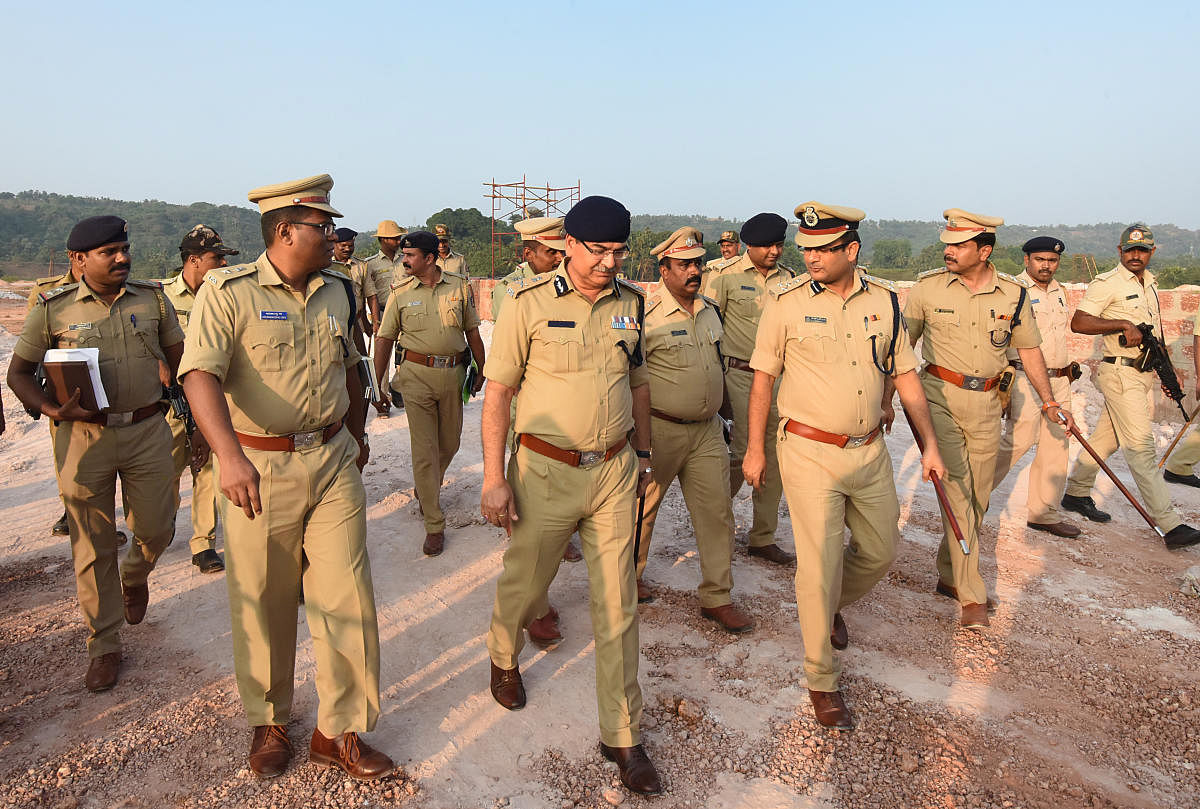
{"points": [[1083, 694]]}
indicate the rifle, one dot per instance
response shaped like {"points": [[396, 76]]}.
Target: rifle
{"points": [[1154, 357], [940, 491], [198, 449]]}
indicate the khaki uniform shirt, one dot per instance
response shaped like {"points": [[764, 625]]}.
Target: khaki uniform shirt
{"points": [[181, 297], [1118, 295], [571, 358], [430, 320], [500, 291], [131, 334], [1050, 311], [683, 357], [362, 279], [281, 355], [740, 290], [455, 263], [826, 350], [45, 285], [382, 271], [962, 328]]}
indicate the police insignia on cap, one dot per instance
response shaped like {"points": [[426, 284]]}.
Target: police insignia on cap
{"points": [[810, 216], [951, 223], [1135, 236]]}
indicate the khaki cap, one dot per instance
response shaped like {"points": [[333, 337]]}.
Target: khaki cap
{"points": [[822, 224], [311, 192], [729, 236], [683, 243], [962, 226], [389, 229], [1137, 235], [441, 231], [547, 230]]}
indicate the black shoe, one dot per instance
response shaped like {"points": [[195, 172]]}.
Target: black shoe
{"points": [[1186, 480], [1181, 536], [209, 561], [1085, 506], [61, 529]]}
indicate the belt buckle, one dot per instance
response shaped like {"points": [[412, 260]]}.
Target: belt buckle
{"points": [[304, 440], [590, 458], [118, 419], [854, 441], [973, 382], [440, 362]]}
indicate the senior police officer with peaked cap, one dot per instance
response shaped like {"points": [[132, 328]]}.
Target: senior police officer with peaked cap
{"points": [[366, 296], [571, 341], [683, 358], [967, 316], [740, 292], [134, 327], [1025, 426], [272, 377]]}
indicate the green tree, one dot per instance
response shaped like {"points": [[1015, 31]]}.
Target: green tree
{"points": [[891, 253]]}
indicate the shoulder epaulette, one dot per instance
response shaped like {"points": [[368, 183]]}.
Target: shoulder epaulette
{"points": [[879, 282], [520, 285], [1012, 279], [222, 275], [652, 305], [784, 287], [144, 282], [403, 281], [336, 273], [49, 294], [1104, 276], [630, 285], [457, 275], [931, 273]]}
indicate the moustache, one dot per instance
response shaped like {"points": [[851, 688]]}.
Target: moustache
{"points": [[122, 266], [692, 279]]}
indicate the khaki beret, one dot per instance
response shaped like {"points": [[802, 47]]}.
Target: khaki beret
{"points": [[547, 230], [822, 224], [729, 236], [389, 229], [683, 243], [441, 231], [963, 225], [311, 192]]}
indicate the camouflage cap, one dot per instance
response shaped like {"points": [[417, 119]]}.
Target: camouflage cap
{"points": [[203, 239], [1137, 235], [729, 236], [441, 231]]}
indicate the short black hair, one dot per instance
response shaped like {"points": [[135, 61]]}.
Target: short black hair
{"points": [[985, 240], [271, 219]]}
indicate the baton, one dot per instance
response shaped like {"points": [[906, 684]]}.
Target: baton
{"points": [[1100, 461], [940, 491], [1178, 436], [637, 533]]}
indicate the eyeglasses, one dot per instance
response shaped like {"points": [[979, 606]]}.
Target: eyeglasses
{"points": [[325, 227], [825, 251], [620, 254]]}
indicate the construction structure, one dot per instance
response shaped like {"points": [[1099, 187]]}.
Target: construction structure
{"points": [[1083, 264], [519, 200]]}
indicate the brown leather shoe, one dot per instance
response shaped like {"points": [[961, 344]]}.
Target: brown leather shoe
{"points": [[637, 772], [351, 754], [839, 636], [974, 616], [136, 599], [270, 751], [507, 687], [544, 631], [645, 594], [729, 617], [1059, 529], [434, 543], [772, 553], [831, 710], [572, 553], [950, 591], [102, 672]]}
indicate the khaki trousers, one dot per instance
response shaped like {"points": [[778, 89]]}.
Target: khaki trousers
{"points": [[828, 490], [1186, 455], [1125, 422], [312, 528], [766, 500], [204, 491], [553, 500], [1025, 428], [695, 454], [433, 402], [88, 458], [967, 425]]}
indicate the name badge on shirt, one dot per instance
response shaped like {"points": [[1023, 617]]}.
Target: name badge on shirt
{"points": [[561, 324], [678, 332], [812, 319], [1035, 300], [414, 303], [944, 311], [1132, 297], [751, 289], [267, 314], [624, 322], [77, 326]]}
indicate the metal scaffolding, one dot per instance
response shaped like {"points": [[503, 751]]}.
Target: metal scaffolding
{"points": [[514, 200]]}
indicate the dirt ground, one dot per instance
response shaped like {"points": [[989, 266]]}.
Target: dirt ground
{"points": [[1084, 693]]}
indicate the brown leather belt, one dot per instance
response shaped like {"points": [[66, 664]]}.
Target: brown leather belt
{"points": [[432, 360], [290, 443], [125, 419], [962, 380], [658, 414], [571, 457], [1053, 373], [843, 441], [741, 365], [1130, 361]]}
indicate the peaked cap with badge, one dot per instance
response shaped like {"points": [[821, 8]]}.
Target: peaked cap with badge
{"points": [[547, 230], [311, 192], [1137, 235], [822, 224], [203, 239], [90, 233], [686, 242], [962, 226], [1043, 244]]}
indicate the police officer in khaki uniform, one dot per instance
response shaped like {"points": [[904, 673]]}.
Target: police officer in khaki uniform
{"points": [[134, 327], [834, 338], [687, 386], [1114, 304], [447, 259], [729, 244], [970, 315], [201, 250], [1025, 426], [431, 320], [271, 374], [571, 341], [740, 291], [1181, 465], [366, 298], [386, 262]]}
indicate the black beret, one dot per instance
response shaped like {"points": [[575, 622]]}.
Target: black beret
{"points": [[764, 229], [421, 240], [598, 219], [1044, 244], [344, 234], [90, 233]]}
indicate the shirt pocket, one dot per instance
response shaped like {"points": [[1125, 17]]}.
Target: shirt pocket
{"points": [[1000, 327], [74, 338], [561, 348], [450, 309], [624, 343], [945, 323], [743, 301], [272, 348], [679, 350], [815, 340]]}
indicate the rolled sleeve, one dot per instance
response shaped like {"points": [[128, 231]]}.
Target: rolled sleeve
{"points": [[1095, 299], [770, 341], [208, 346], [905, 358], [510, 348]]}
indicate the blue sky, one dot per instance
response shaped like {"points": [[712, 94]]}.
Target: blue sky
{"points": [[1043, 113]]}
